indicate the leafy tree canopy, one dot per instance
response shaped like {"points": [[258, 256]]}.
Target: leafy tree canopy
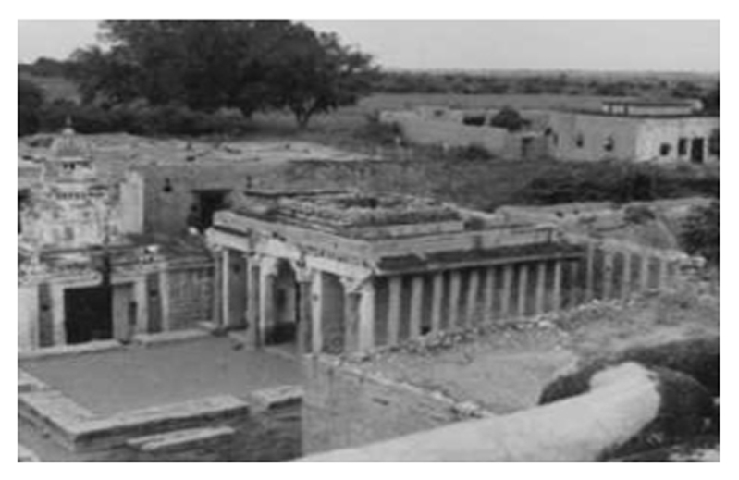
{"points": [[207, 65]]}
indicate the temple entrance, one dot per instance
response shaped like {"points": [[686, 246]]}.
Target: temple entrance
{"points": [[88, 314], [206, 203], [283, 330]]}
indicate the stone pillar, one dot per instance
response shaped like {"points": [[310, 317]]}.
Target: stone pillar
{"points": [[607, 275], [217, 285], [541, 288], [523, 282], [142, 311], [304, 277], [436, 302], [455, 291], [557, 286], [489, 292], [57, 316], [393, 314], [472, 295], [416, 306], [367, 316], [267, 274], [164, 298], [360, 313], [589, 272], [317, 317], [505, 292], [644, 281], [662, 275], [351, 314], [626, 276], [574, 285], [225, 287], [252, 299]]}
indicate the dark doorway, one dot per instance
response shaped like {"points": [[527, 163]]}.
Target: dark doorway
{"points": [[697, 150], [287, 301], [88, 314], [206, 204], [24, 199], [527, 147]]}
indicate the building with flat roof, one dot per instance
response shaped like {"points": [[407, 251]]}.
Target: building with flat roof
{"points": [[639, 131], [341, 272]]}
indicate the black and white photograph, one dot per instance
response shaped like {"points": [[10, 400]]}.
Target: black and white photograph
{"points": [[368, 240]]}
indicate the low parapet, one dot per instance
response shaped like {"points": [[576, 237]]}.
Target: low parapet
{"points": [[370, 230]]}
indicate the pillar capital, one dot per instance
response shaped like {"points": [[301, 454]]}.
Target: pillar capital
{"points": [[211, 243], [303, 273], [354, 285], [267, 263]]}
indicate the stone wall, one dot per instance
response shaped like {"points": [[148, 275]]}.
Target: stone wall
{"points": [[345, 407], [169, 190], [189, 295], [451, 132], [263, 426]]}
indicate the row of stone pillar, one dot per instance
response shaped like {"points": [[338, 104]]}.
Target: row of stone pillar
{"points": [[489, 293], [486, 289], [629, 280]]}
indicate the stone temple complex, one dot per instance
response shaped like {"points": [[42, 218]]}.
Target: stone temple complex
{"points": [[343, 272], [220, 307]]}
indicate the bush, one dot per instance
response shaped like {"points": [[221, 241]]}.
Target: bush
{"points": [[701, 233], [509, 119], [638, 214], [473, 152], [377, 132], [619, 183], [139, 120]]}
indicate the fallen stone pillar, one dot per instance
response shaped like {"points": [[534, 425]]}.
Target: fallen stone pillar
{"points": [[622, 402]]}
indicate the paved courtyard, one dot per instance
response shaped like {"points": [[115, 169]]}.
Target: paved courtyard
{"points": [[127, 380]]}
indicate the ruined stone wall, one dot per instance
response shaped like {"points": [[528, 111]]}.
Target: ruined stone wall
{"points": [[28, 314], [265, 425], [190, 293], [344, 407], [168, 190], [417, 129]]}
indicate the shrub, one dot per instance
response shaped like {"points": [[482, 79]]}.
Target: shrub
{"points": [[702, 231], [473, 152], [139, 120], [613, 182], [638, 214], [509, 119]]}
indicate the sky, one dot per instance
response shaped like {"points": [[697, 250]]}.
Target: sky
{"points": [[632, 45]]}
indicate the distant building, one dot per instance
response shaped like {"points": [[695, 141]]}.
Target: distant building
{"points": [[661, 132]]}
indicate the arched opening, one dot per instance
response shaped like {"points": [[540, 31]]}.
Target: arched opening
{"points": [[283, 328]]}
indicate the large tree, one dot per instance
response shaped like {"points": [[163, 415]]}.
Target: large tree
{"points": [[30, 100], [311, 73], [206, 65]]}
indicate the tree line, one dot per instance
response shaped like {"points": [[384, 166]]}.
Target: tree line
{"points": [[169, 76]]}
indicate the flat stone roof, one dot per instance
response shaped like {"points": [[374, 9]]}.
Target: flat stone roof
{"points": [[396, 231], [354, 214]]}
